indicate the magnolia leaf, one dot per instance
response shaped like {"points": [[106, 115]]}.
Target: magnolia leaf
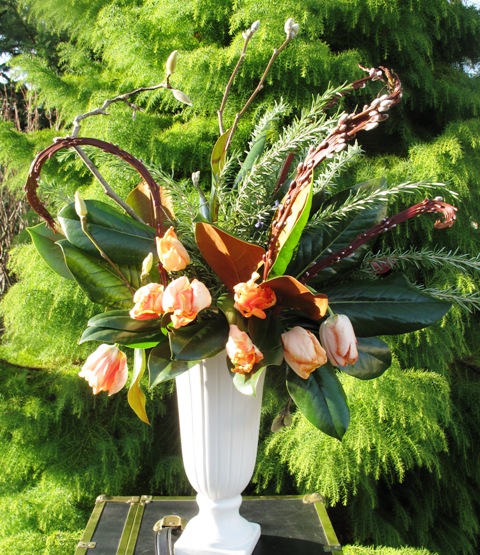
{"points": [[374, 357], [314, 246], [266, 336], [122, 238], [140, 199], [387, 306], [291, 232], [121, 320], [197, 341], [232, 259], [45, 241], [133, 339], [97, 279], [136, 397], [291, 293], [226, 304], [217, 160], [161, 367], [321, 399], [248, 383]]}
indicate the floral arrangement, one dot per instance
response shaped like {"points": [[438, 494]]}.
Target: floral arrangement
{"points": [[265, 267]]}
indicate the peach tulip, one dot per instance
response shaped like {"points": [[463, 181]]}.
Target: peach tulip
{"points": [[251, 299], [185, 300], [241, 351], [106, 369], [302, 351], [171, 253], [148, 302], [338, 339]]}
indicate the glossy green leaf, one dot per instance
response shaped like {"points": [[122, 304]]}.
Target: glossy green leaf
{"points": [[374, 357], [132, 339], [321, 399], [161, 367], [122, 238], [136, 397], [217, 160], [266, 336], [247, 383], [387, 306], [100, 283], [292, 232], [313, 247], [198, 341], [121, 320], [45, 241], [226, 304]]}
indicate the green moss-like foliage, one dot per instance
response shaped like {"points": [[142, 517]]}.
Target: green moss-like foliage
{"points": [[363, 550], [407, 469]]}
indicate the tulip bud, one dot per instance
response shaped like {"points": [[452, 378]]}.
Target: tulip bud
{"points": [[181, 96], [241, 351], [147, 264], [171, 63], [106, 369], [80, 206], [338, 339], [302, 351]]}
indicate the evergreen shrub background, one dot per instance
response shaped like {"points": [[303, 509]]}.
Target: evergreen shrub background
{"points": [[405, 480]]}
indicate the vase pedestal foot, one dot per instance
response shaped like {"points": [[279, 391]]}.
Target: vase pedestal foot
{"points": [[218, 529]]}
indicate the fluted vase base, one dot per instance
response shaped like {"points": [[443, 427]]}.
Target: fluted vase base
{"points": [[218, 529], [219, 430]]}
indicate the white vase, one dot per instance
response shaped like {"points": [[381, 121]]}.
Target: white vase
{"points": [[219, 431]]}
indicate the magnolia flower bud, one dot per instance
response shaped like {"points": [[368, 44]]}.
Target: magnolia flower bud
{"points": [[196, 178], [291, 28], [147, 264], [80, 206], [181, 96], [171, 63], [255, 26]]}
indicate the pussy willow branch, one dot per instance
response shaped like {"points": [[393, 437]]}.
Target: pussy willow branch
{"points": [[31, 185], [424, 207], [347, 128], [259, 87]]}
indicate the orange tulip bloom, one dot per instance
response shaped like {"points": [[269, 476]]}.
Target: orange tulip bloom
{"points": [[251, 299], [241, 351], [148, 302], [185, 300], [338, 338], [171, 253], [106, 369], [302, 351]]}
